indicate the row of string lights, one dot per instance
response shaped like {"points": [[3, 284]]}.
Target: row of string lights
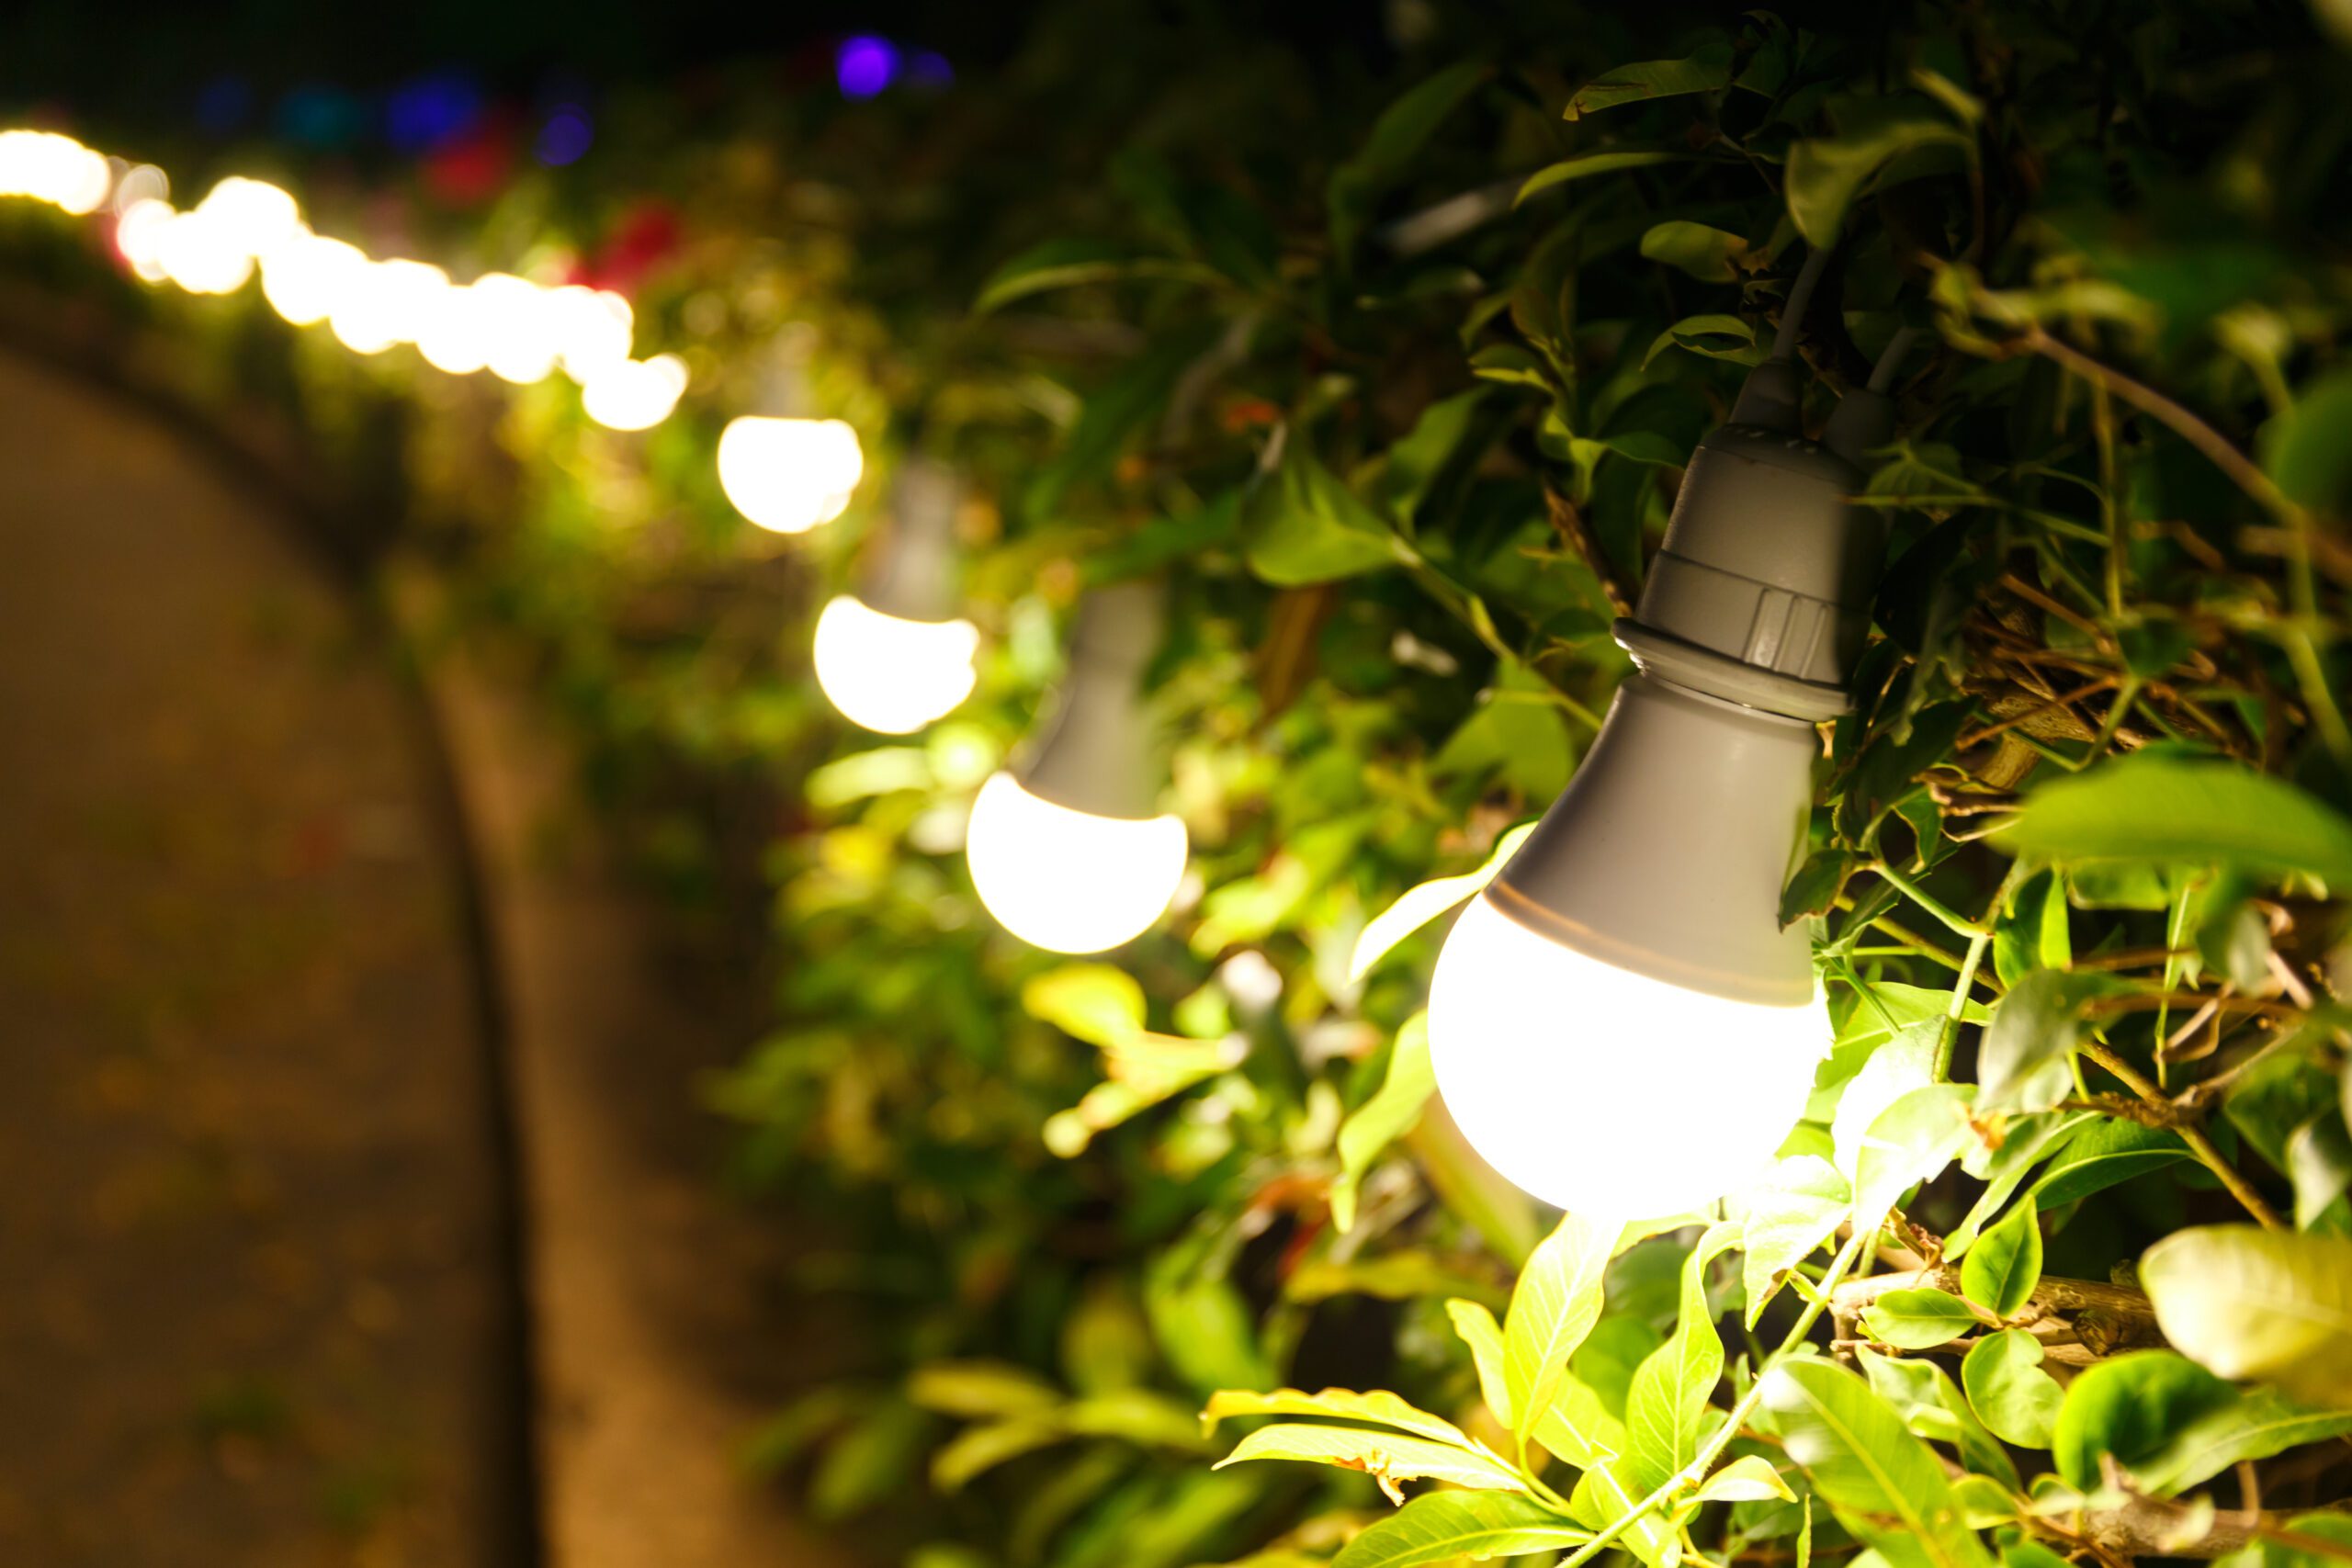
{"points": [[785, 474]]}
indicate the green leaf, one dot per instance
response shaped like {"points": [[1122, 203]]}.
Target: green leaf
{"points": [[1385, 1456], [2026, 1141], [2108, 1152], [1479, 1329], [2250, 1303], [1400, 132], [1589, 163], [1339, 1404], [2303, 449], [1717, 337], [2001, 1271], [1748, 1479], [2031, 933], [1094, 1002], [2319, 1160], [1707, 254], [1667, 1406], [2025, 1061], [1555, 1307], [1705, 70], [1605, 1493], [2008, 1390], [1918, 1319], [1884, 1484], [1933, 1407], [1576, 1427], [1444, 1527], [1825, 175], [1065, 264], [2150, 806], [2258, 1424], [2131, 1407], [1393, 1108], [1910, 1141], [2330, 1526], [1787, 1221], [1419, 906], [1300, 525], [979, 1388]]}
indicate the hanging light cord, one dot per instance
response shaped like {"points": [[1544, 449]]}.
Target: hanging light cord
{"points": [[1891, 359], [1784, 341]]}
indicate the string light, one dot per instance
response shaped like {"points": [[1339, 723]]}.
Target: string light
{"points": [[1065, 850], [789, 475], [519, 331]]}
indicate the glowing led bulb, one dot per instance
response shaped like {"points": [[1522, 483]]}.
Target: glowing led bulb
{"points": [[890, 675], [139, 236], [518, 328], [307, 276], [202, 253], [633, 394], [592, 329], [388, 302], [252, 216], [1069, 881], [55, 169], [1604, 1091], [788, 475]]}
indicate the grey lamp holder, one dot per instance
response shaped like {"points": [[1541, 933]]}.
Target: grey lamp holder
{"points": [[911, 570], [1667, 852], [1096, 752]]}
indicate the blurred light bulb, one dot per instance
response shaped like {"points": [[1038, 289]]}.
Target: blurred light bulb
{"points": [[202, 253], [55, 169], [252, 215], [1069, 881], [307, 276], [519, 327], [1604, 1091], [788, 475], [890, 675], [388, 302], [457, 339], [635, 394], [139, 237], [592, 328]]}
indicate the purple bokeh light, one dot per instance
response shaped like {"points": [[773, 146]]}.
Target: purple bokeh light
{"points": [[565, 136], [864, 66]]}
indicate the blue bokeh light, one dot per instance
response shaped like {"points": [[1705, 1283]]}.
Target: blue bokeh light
{"points": [[566, 135], [429, 111], [864, 66]]}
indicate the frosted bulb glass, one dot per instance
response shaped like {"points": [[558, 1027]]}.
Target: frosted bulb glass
{"points": [[1069, 880], [635, 394], [890, 675], [788, 475], [1603, 1091]]}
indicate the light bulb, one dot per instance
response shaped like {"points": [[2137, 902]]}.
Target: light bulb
{"points": [[306, 277], [633, 394], [388, 302], [889, 674], [1069, 881], [788, 475], [253, 215], [1604, 1091], [1066, 851]]}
